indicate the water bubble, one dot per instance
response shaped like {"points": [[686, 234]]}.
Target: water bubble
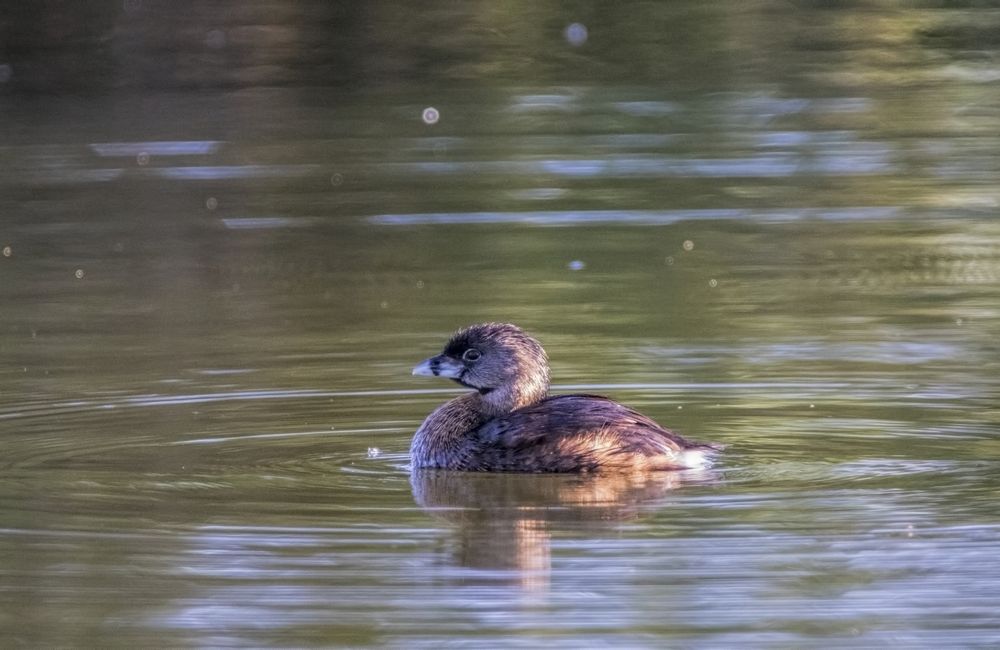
{"points": [[576, 34], [6, 72], [713, 283], [384, 304], [211, 203], [374, 452], [430, 115], [142, 159], [958, 321], [688, 245], [79, 274], [420, 284], [215, 39], [337, 180], [669, 261], [576, 265], [7, 251]]}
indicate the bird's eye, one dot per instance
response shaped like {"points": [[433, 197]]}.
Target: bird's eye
{"points": [[472, 354]]}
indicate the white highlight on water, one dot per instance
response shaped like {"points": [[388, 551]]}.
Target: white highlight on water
{"points": [[430, 115], [575, 34]]}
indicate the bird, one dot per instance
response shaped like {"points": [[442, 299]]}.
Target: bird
{"points": [[508, 422]]}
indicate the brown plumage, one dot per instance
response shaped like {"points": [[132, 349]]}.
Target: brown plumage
{"points": [[510, 424]]}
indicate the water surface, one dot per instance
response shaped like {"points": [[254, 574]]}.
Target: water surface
{"points": [[228, 236]]}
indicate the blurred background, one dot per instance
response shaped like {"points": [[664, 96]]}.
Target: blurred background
{"points": [[229, 230]]}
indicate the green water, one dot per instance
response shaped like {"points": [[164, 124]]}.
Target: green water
{"points": [[229, 234]]}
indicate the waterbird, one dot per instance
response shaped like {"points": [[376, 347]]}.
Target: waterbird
{"points": [[508, 422]]}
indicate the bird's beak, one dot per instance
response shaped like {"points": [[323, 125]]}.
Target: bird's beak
{"points": [[439, 366]]}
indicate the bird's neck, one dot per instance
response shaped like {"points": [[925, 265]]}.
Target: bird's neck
{"points": [[515, 395]]}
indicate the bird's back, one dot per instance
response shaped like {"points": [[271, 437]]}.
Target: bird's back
{"points": [[571, 433]]}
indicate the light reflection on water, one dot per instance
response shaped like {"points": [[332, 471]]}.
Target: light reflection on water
{"points": [[630, 217], [163, 148]]}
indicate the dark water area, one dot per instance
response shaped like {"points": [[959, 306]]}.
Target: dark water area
{"points": [[229, 232]]}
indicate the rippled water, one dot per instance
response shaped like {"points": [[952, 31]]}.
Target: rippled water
{"points": [[228, 235]]}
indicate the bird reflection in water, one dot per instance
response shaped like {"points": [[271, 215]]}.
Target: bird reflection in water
{"points": [[504, 522]]}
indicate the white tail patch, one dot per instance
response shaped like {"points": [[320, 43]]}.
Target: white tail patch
{"points": [[697, 458]]}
